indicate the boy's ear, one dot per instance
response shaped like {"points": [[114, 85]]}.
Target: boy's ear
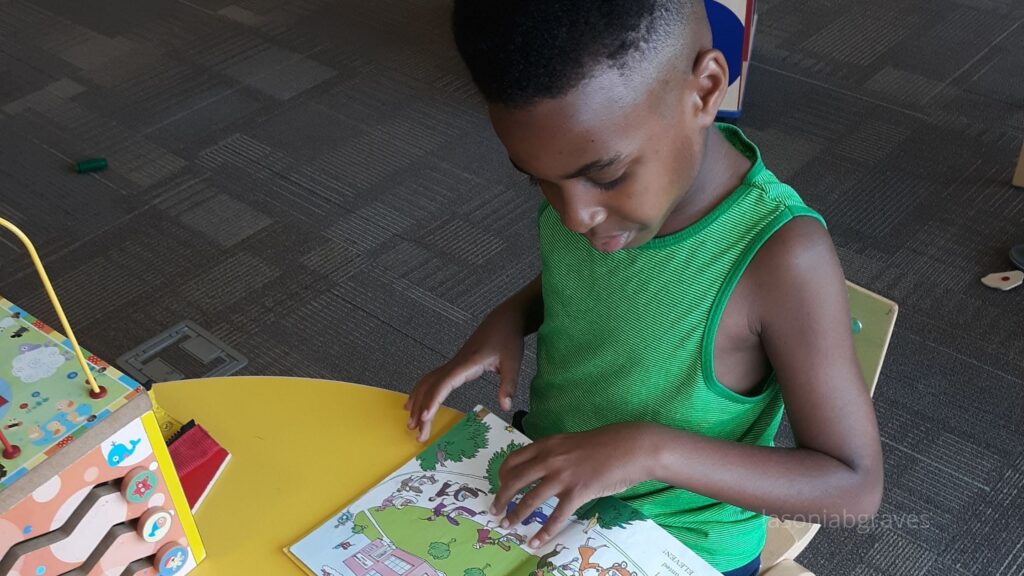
{"points": [[710, 82]]}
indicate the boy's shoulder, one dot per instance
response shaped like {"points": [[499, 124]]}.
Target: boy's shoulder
{"points": [[796, 261]]}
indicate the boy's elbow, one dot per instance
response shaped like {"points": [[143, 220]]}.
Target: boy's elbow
{"points": [[868, 496]]}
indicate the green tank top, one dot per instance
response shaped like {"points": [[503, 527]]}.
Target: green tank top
{"points": [[628, 337]]}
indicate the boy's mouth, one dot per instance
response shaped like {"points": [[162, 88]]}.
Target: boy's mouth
{"points": [[612, 243]]}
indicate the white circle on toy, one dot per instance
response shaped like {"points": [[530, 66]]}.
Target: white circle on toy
{"points": [[157, 500], [91, 474], [47, 491]]}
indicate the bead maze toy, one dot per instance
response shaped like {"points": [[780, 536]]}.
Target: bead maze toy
{"points": [[87, 487]]}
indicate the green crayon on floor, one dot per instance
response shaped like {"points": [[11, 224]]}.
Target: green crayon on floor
{"points": [[91, 165]]}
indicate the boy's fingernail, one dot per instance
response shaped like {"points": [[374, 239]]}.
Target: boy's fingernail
{"points": [[535, 543], [504, 523]]}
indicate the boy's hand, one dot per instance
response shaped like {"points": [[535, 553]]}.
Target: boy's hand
{"points": [[576, 468], [495, 346]]}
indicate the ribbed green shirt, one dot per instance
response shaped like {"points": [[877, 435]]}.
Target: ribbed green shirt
{"points": [[629, 337]]}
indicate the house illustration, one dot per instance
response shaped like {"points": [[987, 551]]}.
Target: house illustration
{"points": [[378, 558]]}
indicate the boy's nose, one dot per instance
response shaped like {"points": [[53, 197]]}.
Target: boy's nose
{"points": [[583, 221], [581, 218]]}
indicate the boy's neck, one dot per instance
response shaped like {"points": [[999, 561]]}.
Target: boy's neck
{"points": [[722, 171]]}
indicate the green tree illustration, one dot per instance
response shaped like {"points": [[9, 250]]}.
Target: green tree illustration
{"points": [[494, 464], [356, 529], [611, 513], [440, 550], [476, 571], [464, 441]]}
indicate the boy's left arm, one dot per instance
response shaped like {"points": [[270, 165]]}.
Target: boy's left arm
{"points": [[802, 315]]}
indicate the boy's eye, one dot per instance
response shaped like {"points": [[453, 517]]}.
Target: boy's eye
{"points": [[606, 186], [611, 184]]}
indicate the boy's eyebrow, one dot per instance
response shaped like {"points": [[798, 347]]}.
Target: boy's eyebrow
{"points": [[586, 169]]}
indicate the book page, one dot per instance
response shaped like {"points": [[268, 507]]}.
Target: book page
{"points": [[430, 518]]}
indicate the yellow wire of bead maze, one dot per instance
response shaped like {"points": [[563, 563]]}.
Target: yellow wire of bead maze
{"points": [[96, 391]]}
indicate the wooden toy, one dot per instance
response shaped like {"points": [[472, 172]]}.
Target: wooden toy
{"points": [[732, 31], [87, 486], [1004, 280]]}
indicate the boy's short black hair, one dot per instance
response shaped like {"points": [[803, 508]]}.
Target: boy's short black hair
{"points": [[521, 51]]}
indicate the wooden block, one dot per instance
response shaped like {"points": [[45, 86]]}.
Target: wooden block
{"points": [[1018, 176], [787, 568]]}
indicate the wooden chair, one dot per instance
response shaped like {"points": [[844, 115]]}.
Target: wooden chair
{"points": [[872, 321]]}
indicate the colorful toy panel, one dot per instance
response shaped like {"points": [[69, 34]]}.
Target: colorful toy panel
{"points": [[110, 508], [44, 399]]}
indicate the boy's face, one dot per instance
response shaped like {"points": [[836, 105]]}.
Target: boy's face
{"points": [[614, 165]]}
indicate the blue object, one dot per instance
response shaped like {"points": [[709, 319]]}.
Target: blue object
{"points": [[726, 36], [72, 375], [35, 394], [120, 452]]}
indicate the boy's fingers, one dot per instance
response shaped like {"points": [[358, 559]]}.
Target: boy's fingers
{"points": [[509, 370], [512, 483], [518, 471], [414, 403], [410, 406], [424, 431], [558, 520], [431, 392], [519, 457], [502, 497], [530, 502]]}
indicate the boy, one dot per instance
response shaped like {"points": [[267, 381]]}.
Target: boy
{"points": [[684, 292]]}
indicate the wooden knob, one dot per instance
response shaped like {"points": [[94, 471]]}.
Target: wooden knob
{"points": [[139, 485], [170, 559], [154, 524]]}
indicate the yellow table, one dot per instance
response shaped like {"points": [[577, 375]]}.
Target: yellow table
{"points": [[300, 450]]}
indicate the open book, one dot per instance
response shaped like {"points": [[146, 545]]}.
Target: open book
{"points": [[430, 518]]}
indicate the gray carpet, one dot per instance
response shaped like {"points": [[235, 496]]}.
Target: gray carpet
{"points": [[315, 182]]}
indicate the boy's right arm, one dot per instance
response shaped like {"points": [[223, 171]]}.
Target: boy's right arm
{"points": [[495, 346]]}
